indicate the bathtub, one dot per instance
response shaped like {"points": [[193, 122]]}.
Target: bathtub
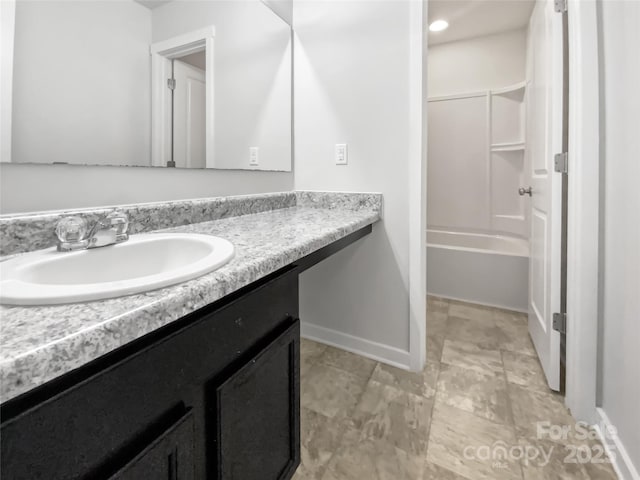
{"points": [[485, 269]]}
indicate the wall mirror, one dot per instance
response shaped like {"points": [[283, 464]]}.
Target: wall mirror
{"points": [[181, 83]]}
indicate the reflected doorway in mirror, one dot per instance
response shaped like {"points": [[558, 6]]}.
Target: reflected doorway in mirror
{"points": [[172, 129], [188, 136]]}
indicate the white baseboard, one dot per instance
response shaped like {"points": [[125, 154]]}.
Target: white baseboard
{"points": [[616, 451], [373, 350]]}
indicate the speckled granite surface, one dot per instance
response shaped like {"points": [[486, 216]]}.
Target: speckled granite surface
{"points": [[352, 201], [38, 344], [27, 232]]}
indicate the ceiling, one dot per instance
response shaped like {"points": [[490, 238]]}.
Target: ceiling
{"points": [[475, 18]]}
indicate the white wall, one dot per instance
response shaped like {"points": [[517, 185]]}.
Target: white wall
{"points": [[252, 58], [481, 63], [352, 85], [620, 36], [81, 90], [31, 187]]}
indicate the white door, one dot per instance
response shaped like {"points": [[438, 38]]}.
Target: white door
{"points": [[189, 109], [544, 136]]}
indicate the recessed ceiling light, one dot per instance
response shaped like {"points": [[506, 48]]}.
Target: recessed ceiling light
{"points": [[438, 25]]}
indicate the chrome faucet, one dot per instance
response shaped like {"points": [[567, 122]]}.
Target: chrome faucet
{"points": [[108, 230]]}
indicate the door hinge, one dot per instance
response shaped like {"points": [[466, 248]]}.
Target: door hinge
{"points": [[560, 6], [171, 83], [560, 322], [561, 162]]}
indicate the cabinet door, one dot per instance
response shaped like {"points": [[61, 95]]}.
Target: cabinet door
{"points": [[168, 457], [254, 413]]}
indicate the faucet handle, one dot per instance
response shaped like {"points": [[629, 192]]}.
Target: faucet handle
{"points": [[120, 223], [71, 233]]}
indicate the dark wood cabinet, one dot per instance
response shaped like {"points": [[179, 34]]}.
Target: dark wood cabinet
{"points": [[214, 395], [257, 411], [169, 457]]}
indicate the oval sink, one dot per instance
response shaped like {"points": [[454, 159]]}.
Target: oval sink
{"points": [[142, 263]]}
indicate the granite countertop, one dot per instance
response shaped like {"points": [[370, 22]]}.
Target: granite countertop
{"points": [[38, 344]]}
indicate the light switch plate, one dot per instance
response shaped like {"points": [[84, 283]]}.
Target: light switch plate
{"points": [[342, 156]]}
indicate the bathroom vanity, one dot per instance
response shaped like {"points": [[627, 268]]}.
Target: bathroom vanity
{"points": [[215, 390], [195, 381]]}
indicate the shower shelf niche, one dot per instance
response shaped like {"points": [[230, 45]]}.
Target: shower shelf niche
{"points": [[507, 115], [507, 158]]}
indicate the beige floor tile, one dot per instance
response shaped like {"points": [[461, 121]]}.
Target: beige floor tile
{"points": [[395, 416], [311, 349], [531, 408], [469, 355], [435, 472], [508, 316], [419, 383], [462, 443], [305, 364], [599, 467], [481, 394], [301, 474], [524, 370], [437, 304], [350, 362], [368, 459], [434, 348], [551, 462], [515, 337], [479, 314], [465, 330], [600, 471], [309, 353], [585, 442], [436, 323], [482, 387], [330, 391], [320, 437]]}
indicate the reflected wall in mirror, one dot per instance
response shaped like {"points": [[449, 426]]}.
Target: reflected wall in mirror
{"points": [[182, 83]]}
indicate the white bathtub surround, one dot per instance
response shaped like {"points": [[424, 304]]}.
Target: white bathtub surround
{"points": [[476, 140], [478, 225], [477, 152], [500, 245], [486, 269]]}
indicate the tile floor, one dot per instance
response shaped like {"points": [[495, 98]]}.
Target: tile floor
{"points": [[481, 392]]}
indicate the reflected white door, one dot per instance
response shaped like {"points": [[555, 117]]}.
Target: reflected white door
{"points": [[544, 136], [189, 109]]}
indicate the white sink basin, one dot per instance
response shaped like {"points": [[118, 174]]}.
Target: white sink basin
{"points": [[144, 262]]}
